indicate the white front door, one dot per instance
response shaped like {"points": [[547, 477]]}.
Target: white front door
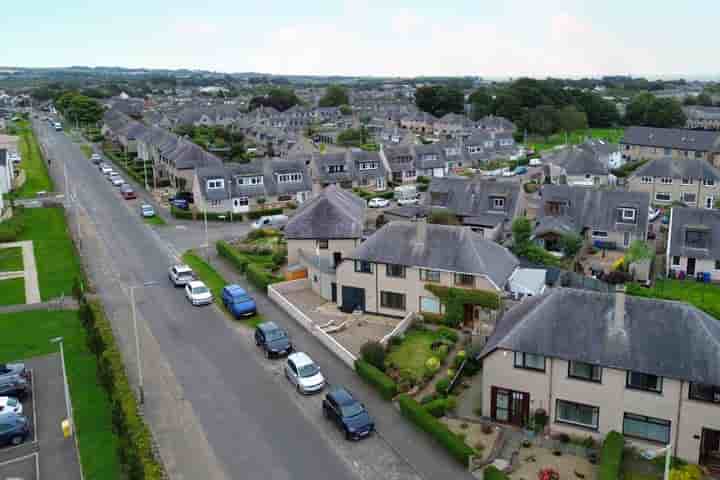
{"points": [[380, 183], [240, 205]]}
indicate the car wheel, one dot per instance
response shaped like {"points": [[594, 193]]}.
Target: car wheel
{"points": [[348, 436], [267, 354], [16, 440], [325, 412], [299, 390]]}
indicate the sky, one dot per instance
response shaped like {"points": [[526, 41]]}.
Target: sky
{"points": [[506, 38]]}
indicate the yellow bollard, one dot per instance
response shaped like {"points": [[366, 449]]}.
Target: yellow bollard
{"points": [[66, 428]]}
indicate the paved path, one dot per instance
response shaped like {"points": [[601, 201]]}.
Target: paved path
{"points": [[32, 287], [66, 303]]}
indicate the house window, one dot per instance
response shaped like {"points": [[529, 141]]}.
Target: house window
{"points": [[363, 266], [464, 280], [646, 428], [498, 203], [243, 201], [688, 197], [717, 264], [368, 165], [256, 180], [644, 381], [392, 300], [686, 181], [584, 371], [392, 270], [577, 414], [646, 179], [429, 275], [666, 180], [697, 239], [336, 168], [704, 393], [676, 261], [667, 151], [662, 197], [322, 244], [290, 177], [215, 184], [529, 361], [284, 198], [708, 182], [698, 154], [599, 234], [430, 305], [627, 214]]}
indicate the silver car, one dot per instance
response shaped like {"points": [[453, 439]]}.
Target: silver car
{"points": [[180, 275], [304, 373], [198, 293]]}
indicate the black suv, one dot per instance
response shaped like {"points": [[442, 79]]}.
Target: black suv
{"points": [[13, 386], [14, 429], [272, 339], [348, 414]]}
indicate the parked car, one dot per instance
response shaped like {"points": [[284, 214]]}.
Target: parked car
{"points": [[10, 405], [180, 203], [347, 413], [95, 158], [535, 162], [180, 275], [187, 196], [304, 373], [271, 221], [378, 202], [237, 301], [116, 180], [409, 200], [17, 368], [105, 170], [14, 386], [127, 192], [147, 210], [273, 340], [198, 293], [653, 214], [111, 173], [14, 429], [520, 170], [508, 173]]}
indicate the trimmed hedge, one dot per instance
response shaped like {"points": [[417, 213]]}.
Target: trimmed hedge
{"points": [[415, 412], [237, 259], [261, 213], [384, 384], [211, 216], [136, 451], [259, 277], [611, 456], [492, 473], [440, 406], [483, 298]]}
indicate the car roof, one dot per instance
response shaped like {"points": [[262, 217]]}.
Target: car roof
{"points": [[146, 205], [182, 268], [232, 288], [342, 396], [196, 283], [300, 359], [268, 326]]}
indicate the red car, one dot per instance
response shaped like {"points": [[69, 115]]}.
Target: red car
{"points": [[127, 192]]}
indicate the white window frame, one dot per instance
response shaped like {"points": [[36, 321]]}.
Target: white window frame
{"points": [[498, 203], [623, 212], [254, 180], [675, 263], [295, 177], [216, 184], [595, 414], [368, 166], [666, 180], [686, 181], [599, 234], [243, 201], [709, 182], [683, 199], [646, 180], [669, 195], [336, 168]]}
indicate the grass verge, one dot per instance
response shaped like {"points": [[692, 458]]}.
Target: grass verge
{"points": [[611, 135], [157, 220], [36, 174], [86, 149], [12, 291], [27, 335], [11, 259], [704, 296]]}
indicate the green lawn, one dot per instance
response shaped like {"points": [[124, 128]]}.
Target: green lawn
{"points": [[87, 150], [55, 258], [11, 259], [12, 291], [413, 352], [27, 335], [704, 296], [157, 220], [612, 135], [37, 178]]}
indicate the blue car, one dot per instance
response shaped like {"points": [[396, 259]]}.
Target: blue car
{"points": [[14, 429], [521, 170], [180, 203], [348, 414], [237, 301]]}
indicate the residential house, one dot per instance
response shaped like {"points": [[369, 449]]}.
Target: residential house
{"points": [[430, 161], [418, 122], [647, 143], [692, 181], [607, 218], [702, 118], [349, 169], [495, 124], [402, 163], [209, 116], [7, 176], [488, 207], [693, 247], [322, 232], [387, 274], [451, 124], [258, 185], [578, 165], [596, 362]]}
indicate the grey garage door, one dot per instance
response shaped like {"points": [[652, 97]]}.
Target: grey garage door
{"points": [[353, 298]]}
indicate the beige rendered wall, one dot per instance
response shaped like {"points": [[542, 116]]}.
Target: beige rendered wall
{"points": [[344, 246]]}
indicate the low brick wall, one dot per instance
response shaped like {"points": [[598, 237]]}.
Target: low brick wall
{"points": [[400, 329]]}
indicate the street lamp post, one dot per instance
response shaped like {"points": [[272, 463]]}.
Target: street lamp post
{"points": [[207, 240], [141, 389], [59, 340]]}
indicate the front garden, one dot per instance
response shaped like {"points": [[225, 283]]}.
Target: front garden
{"points": [[260, 256]]}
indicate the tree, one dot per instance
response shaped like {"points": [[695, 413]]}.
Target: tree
{"points": [[279, 98], [705, 100], [570, 244], [542, 120], [79, 108], [647, 110], [345, 110], [374, 354], [638, 250], [352, 137], [439, 100], [570, 119], [521, 231], [335, 95], [482, 103]]}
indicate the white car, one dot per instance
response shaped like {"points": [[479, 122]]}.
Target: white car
{"points": [[535, 162], [653, 214], [95, 156], [10, 405], [304, 373], [116, 180], [147, 210], [378, 202], [180, 275], [105, 170], [197, 293], [508, 173]]}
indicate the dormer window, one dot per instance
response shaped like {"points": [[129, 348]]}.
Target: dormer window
{"points": [[686, 181], [708, 182], [666, 180], [627, 215], [215, 184], [254, 180], [697, 238], [336, 168], [498, 202], [646, 179], [290, 177], [368, 166]]}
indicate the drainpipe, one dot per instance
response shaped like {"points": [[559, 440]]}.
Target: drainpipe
{"points": [[549, 408], [677, 417]]}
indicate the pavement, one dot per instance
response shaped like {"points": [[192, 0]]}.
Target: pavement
{"points": [[216, 408], [29, 274]]}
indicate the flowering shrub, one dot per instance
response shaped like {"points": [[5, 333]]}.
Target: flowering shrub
{"points": [[548, 474]]}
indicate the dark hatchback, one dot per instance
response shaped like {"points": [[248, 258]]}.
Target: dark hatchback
{"points": [[274, 341], [348, 414], [14, 429]]}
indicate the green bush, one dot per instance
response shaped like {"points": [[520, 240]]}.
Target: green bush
{"points": [[136, 450], [415, 412], [492, 473], [422, 179], [11, 229], [442, 385], [611, 456], [428, 398], [384, 384], [262, 213], [180, 213], [436, 318], [374, 354], [260, 277], [236, 259], [422, 188], [448, 334], [436, 408]]}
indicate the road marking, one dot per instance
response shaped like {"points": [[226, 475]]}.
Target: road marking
{"points": [[180, 227]]}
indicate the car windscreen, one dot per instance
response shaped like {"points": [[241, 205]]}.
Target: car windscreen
{"points": [[185, 274], [274, 335], [200, 290], [240, 297], [309, 370], [12, 402], [352, 410]]}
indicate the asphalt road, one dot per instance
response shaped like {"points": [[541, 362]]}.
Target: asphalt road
{"points": [[253, 426]]}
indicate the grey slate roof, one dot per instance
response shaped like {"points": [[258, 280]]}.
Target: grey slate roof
{"points": [[699, 219], [596, 209], [695, 168], [439, 247], [657, 337], [678, 138], [473, 198], [579, 160], [333, 214]]}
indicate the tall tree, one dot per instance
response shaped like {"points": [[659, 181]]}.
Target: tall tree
{"points": [[335, 95], [439, 100], [647, 110], [705, 100], [279, 98], [482, 103], [570, 119]]}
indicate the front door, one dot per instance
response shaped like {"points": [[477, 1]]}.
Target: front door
{"points": [[690, 267], [509, 406], [468, 315], [710, 448], [333, 292], [353, 298]]}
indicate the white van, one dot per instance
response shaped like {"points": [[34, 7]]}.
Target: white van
{"points": [[277, 222]]}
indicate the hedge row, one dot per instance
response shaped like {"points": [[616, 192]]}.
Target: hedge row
{"points": [[211, 216], [417, 414], [260, 277], [262, 213], [438, 407], [384, 384], [611, 456], [492, 473], [136, 451], [237, 259]]}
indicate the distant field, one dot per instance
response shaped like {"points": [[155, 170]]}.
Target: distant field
{"points": [[611, 135]]}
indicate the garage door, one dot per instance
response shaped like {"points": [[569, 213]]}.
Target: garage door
{"points": [[353, 298]]}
